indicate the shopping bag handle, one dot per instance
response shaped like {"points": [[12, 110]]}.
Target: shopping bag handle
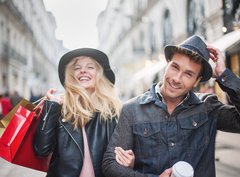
{"points": [[39, 102], [40, 99]]}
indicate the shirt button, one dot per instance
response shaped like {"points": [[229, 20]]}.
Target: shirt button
{"points": [[194, 123], [224, 79], [172, 143], [145, 131]]}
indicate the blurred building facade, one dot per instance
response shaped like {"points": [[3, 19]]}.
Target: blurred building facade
{"points": [[29, 51], [134, 33]]}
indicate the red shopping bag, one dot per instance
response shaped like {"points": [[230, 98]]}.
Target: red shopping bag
{"points": [[16, 142]]}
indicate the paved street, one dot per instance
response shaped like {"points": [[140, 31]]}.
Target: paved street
{"points": [[227, 160], [10, 170], [228, 155]]}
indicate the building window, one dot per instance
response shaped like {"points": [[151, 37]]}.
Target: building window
{"points": [[231, 16], [152, 38], [195, 18], [167, 29]]}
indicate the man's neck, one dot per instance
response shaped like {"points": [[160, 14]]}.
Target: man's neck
{"points": [[172, 103]]}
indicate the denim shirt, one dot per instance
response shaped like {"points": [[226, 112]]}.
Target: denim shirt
{"points": [[159, 139]]}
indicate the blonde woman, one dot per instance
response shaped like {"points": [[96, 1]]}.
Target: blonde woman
{"points": [[77, 127]]}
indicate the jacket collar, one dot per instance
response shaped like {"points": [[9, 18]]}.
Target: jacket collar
{"points": [[150, 96]]}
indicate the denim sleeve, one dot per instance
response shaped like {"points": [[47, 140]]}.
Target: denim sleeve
{"points": [[228, 116], [230, 84], [122, 137]]}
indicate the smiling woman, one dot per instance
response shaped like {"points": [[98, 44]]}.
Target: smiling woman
{"points": [[72, 26], [76, 129]]}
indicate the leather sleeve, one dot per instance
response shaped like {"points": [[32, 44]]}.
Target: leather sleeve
{"points": [[45, 138]]}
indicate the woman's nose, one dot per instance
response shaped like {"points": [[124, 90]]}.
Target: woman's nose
{"points": [[82, 70]]}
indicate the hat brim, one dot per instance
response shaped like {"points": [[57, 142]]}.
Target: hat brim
{"points": [[207, 69], [99, 56]]}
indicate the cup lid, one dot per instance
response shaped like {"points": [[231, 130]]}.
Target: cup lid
{"points": [[183, 169]]}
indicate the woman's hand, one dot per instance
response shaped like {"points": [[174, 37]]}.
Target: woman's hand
{"points": [[125, 157], [53, 95]]}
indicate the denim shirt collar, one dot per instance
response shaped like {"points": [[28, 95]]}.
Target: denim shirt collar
{"points": [[151, 96]]}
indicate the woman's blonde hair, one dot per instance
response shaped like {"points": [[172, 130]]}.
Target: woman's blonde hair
{"points": [[79, 107]]}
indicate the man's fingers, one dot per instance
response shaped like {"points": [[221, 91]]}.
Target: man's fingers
{"points": [[166, 173]]}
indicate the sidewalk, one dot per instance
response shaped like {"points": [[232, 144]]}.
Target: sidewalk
{"points": [[10, 170], [227, 154]]}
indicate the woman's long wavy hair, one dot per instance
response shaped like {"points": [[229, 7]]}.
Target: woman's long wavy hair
{"points": [[79, 107]]}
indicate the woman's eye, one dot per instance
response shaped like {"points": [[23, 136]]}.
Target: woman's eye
{"points": [[76, 68]]}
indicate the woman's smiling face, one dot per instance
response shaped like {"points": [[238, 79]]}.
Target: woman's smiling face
{"points": [[85, 70]]}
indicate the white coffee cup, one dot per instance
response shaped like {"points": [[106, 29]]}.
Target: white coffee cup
{"points": [[182, 169]]}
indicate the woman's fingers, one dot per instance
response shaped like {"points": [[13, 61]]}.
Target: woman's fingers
{"points": [[120, 159], [125, 157], [50, 93]]}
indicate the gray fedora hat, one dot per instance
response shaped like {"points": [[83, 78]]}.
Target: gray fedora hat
{"points": [[194, 44], [97, 55]]}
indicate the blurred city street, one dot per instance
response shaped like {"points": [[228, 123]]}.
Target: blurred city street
{"points": [[227, 155], [227, 160], [34, 35], [10, 170]]}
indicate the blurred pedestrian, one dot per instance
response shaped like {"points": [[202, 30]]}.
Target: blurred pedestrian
{"points": [[1, 116], [6, 104], [15, 98], [76, 127], [170, 122]]}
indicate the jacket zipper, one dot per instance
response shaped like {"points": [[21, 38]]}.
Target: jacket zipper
{"points": [[45, 118], [72, 138]]}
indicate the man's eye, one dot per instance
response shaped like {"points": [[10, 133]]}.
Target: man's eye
{"points": [[174, 67], [189, 75]]}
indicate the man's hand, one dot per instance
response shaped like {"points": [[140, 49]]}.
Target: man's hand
{"points": [[125, 157], [217, 57], [166, 173]]}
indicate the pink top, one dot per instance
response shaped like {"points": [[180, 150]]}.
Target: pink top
{"points": [[87, 169]]}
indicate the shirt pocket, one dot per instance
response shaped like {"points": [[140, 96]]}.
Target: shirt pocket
{"points": [[147, 139], [194, 130]]}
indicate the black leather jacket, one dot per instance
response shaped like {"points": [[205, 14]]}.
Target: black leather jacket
{"points": [[56, 136]]}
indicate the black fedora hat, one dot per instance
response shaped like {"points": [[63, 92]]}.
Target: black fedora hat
{"points": [[194, 44], [97, 55]]}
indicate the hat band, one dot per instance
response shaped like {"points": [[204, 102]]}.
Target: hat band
{"points": [[189, 47]]}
